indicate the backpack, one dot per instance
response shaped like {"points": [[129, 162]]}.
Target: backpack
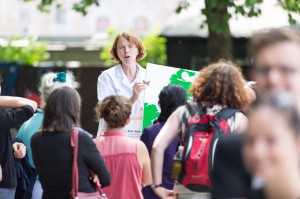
{"points": [[202, 132]]}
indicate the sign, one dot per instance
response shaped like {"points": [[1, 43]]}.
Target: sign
{"points": [[159, 77]]}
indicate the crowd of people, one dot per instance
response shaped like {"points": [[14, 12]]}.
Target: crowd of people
{"points": [[234, 139]]}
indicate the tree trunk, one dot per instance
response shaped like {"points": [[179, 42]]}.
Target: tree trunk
{"points": [[219, 44]]}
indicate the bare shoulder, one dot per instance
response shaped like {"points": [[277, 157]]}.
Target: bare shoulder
{"points": [[177, 114], [180, 109], [242, 123], [98, 140], [141, 147], [241, 116], [142, 154]]}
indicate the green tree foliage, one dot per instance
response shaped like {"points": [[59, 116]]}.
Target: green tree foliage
{"points": [[292, 6], [155, 47], [26, 51], [217, 14], [105, 52], [79, 6], [248, 8]]}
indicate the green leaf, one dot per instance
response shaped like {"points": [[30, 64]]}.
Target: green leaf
{"points": [[59, 6], [254, 12], [240, 10], [183, 4], [34, 52], [178, 9], [292, 21], [202, 26]]}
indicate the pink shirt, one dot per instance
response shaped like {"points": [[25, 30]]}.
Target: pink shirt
{"points": [[120, 155]]}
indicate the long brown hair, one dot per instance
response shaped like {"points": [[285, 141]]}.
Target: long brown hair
{"points": [[221, 83], [62, 110]]}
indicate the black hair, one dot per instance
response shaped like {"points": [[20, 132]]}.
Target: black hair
{"points": [[284, 103], [170, 98]]}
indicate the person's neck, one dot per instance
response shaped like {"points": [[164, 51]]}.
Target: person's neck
{"points": [[286, 187], [129, 70], [115, 129]]}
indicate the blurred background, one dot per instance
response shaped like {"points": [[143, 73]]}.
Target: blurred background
{"points": [[37, 36]]}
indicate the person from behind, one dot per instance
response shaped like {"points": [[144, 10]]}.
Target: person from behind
{"points": [[272, 147], [219, 87], [14, 111], [49, 82], [52, 152], [170, 98], [229, 178], [127, 159]]}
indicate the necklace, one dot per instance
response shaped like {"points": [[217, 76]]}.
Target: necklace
{"points": [[136, 73]]}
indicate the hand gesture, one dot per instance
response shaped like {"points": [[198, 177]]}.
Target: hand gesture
{"points": [[136, 91]]}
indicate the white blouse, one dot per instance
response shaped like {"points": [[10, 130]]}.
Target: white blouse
{"points": [[113, 81]]}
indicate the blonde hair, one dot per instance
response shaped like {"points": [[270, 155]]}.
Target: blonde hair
{"points": [[49, 83]]}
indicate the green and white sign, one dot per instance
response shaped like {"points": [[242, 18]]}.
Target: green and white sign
{"points": [[159, 77]]}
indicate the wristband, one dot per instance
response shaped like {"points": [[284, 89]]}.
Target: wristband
{"points": [[154, 186]]}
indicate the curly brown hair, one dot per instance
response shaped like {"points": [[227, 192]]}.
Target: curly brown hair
{"points": [[131, 38], [221, 83], [115, 110]]}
